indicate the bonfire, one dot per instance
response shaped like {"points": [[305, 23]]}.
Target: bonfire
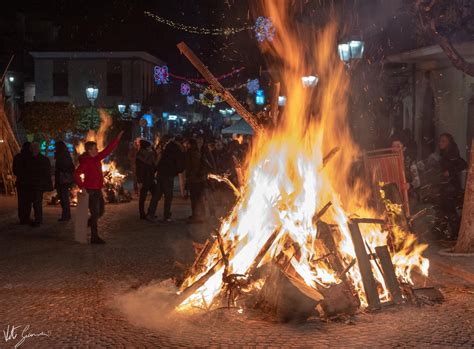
{"points": [[301, 224]]}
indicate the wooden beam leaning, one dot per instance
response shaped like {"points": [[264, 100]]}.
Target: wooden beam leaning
{"points": [[228, 97], [274, 103], [365, 267], [389, 274]]}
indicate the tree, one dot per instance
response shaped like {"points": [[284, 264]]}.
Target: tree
{"points": [[52, 119], [441, 19], [465, 243]]}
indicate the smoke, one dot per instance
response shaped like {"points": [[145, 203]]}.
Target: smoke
{"points": [[148, 306]]}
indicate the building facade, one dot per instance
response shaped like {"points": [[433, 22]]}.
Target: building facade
{"points": [[121, 77], [440, 98]]}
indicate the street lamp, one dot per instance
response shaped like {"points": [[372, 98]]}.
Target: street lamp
{"points": [[92, 91], [121, 108], [348, 51], [309, 81], [135, 107]]}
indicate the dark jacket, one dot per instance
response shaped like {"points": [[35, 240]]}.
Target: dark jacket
{"points": [[38, 174], [63, 169], [194, 170], [91, 168], [19, 167], [451, 161], [145, 166], [172, 161], [209, 161]]}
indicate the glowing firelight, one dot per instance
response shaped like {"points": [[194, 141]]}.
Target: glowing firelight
{"points": [[286, 182], [108, 168]]}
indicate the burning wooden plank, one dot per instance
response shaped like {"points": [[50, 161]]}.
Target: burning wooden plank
{"points": [[389, 274], [365, 267], [286, 298], [228, 97]]}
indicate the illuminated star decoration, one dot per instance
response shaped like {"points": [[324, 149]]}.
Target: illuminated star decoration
{"points": [[161, 75], [185, 89], [264, 29], [190, 99], [253, 86]]}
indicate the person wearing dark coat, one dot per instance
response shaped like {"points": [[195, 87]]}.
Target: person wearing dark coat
{"points": [[195, 181], [38, 172], [19, 170], [171, 163], [450, 188], [145, 167], [63, 178]]}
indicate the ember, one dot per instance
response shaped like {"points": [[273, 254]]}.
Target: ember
{"points": [[296, 211]]}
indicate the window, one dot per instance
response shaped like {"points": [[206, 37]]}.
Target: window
{"points": [[60, 78], [114, 78]]}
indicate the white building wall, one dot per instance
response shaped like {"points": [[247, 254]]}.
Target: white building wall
{"points": [[452, 91]]}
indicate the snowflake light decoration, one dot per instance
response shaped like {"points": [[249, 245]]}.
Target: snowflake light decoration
{"points": [[253, 86], [161, 74], [190, 99], [264, 29], [185, 89]]}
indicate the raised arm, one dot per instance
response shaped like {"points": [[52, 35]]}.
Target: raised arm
{"points": [[110, 147]]}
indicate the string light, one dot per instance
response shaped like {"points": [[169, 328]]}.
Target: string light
{"points": [[264, 29], [161, 74], [231, 88], [221, 77], [185, 89], [198, 30]]}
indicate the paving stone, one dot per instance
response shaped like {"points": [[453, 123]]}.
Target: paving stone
{"points": [[53, 284]]}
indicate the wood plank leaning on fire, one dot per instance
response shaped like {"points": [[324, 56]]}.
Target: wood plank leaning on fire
{"points": [[226, 95]]}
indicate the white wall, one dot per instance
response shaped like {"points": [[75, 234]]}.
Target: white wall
{"points": [[452, 91], [81, 71]]}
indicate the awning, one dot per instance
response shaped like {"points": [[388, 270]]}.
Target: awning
{"points": [[240, 127], [431, 53]]}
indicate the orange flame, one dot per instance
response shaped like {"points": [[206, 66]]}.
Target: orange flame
{"points": [[287, 183]]}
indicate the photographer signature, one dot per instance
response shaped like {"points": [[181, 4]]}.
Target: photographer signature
{"points": [[12, 332]]}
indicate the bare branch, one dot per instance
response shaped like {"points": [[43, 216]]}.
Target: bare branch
{"points": [[429, 24]]}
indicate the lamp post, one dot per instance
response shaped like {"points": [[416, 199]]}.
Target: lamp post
{"points": [[92, 91]]}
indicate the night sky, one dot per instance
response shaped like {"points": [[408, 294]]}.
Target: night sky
{"points": [[121, 25]]}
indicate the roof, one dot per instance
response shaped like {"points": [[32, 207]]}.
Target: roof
{"points": [[240, 127], [431, 53], [96, 55]]}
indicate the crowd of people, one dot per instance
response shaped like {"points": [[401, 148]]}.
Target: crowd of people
{"points": [[191, 157]]}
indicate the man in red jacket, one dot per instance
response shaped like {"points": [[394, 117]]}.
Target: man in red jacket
{"points": [[89, 177]]}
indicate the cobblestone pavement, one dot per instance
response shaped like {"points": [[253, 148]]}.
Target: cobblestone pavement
{"points": [[51, 283]]}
